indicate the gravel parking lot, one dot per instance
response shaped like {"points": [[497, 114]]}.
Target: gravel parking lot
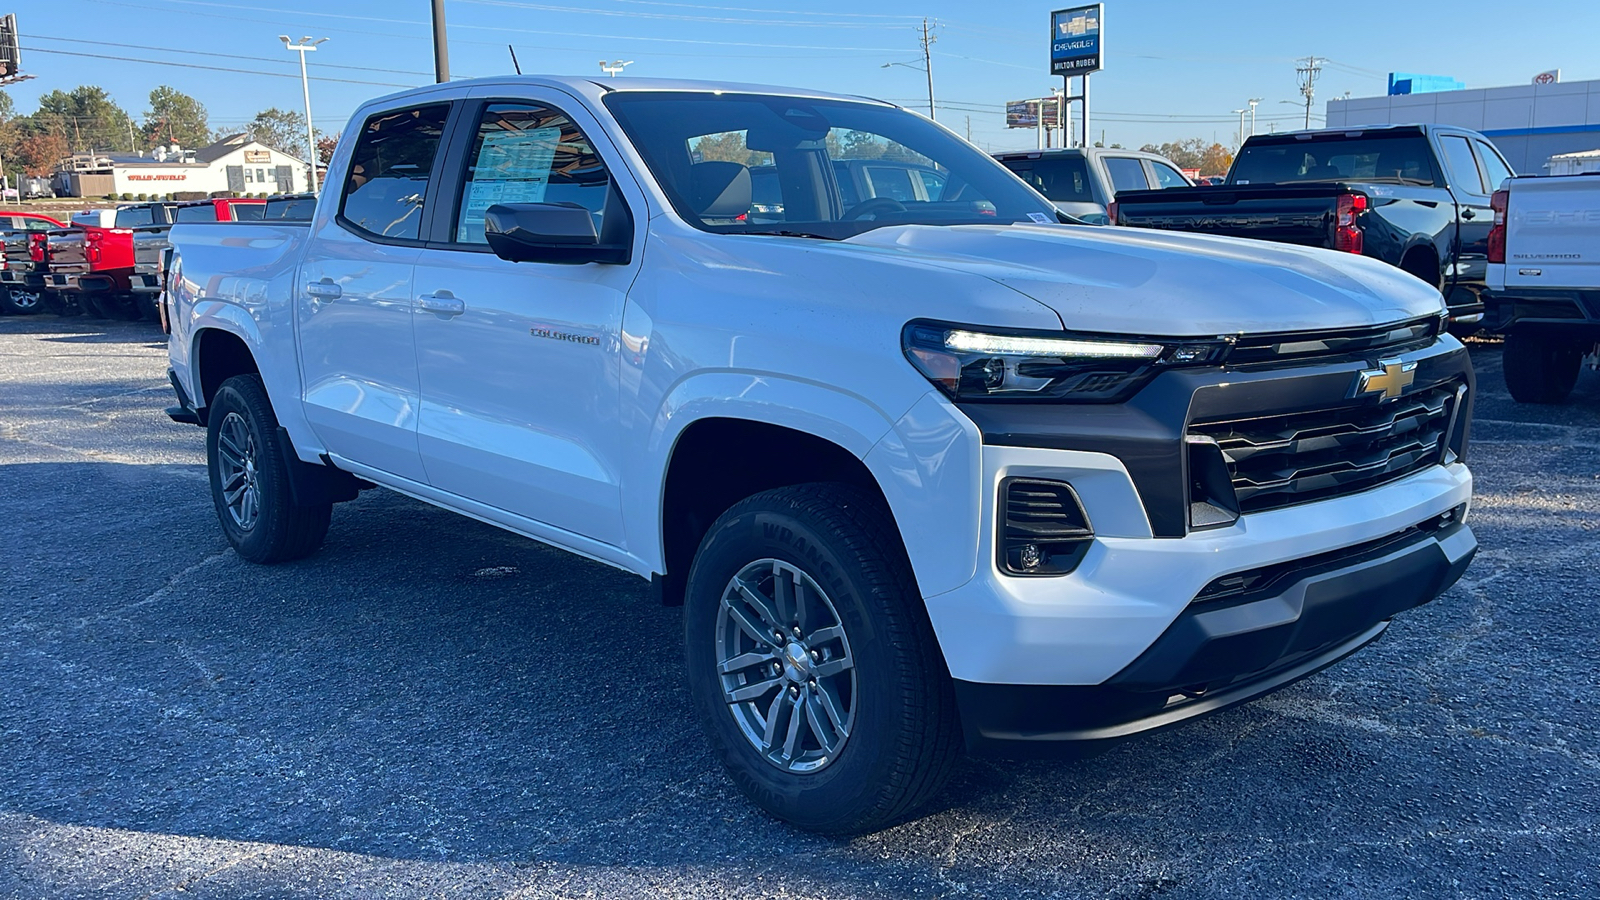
{"points": [[430, 707]]}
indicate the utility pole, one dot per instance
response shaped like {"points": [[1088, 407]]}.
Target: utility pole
{"points": [[928, 38], [305, 46], [441, 47], [1308, 73], [1253, 101], [969, 129]]}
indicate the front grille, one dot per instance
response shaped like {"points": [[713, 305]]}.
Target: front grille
{"points": [[1340, 344], [1281, 460]]}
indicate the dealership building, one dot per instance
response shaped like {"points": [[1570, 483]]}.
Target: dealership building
{"points": [[236, 163], [1529, 123]]}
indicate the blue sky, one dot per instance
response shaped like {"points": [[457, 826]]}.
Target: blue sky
{"points": [[1171, 72]]}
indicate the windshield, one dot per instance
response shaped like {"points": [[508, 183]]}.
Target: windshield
{"points": [[1402, 159], [753, 164]]}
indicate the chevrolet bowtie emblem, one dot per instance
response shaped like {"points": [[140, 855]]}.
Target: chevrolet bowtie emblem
{"points": [[1391, 377]]}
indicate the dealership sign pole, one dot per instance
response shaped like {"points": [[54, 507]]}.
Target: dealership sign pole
{"points": [[1077, 47]]}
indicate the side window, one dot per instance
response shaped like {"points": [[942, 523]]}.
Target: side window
{"points": [[1126, 174], [248, 212], [893, 183], [1167, 176], [1463, 168], [1493, 165], [389, 169], [933, 183], [528, 154]]}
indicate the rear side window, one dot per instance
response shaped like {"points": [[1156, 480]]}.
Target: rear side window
{"points": [[248, 212], [527, 153], [389, 169], [203, 213], [1167, 176], [1126, 174], [1493, 166], [1463, 168]]}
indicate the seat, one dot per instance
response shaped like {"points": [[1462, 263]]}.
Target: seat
{"points": [[719, 191]]}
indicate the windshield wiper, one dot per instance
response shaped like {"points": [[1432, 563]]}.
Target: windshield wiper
{"points": [[799, 234]]}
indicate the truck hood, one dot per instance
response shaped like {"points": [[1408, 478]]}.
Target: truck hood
{"points": [[1135, 281]]}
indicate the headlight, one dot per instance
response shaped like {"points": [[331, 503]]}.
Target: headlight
{"points": [[970, 363]]}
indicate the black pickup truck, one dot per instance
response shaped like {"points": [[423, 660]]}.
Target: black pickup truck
{"points": [[1413, 196]]}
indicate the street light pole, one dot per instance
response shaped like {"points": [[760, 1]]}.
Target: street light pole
{"points": [[305, 46], [1240, 113], [441, 45], [1253, 101]]}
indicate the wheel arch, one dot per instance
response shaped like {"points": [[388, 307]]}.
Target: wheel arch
{"points": [[1422, 258], [716, 461]]}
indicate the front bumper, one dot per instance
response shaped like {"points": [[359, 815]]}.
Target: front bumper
{"points": [[1221, 652]]}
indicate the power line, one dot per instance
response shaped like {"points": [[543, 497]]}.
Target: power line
{"points": [[162, 62], [710, 20], [273, 60]]}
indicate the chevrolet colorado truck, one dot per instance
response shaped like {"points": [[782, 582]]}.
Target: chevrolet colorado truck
{"points": [[1544, 282], [925, 474], [1413, 196]]}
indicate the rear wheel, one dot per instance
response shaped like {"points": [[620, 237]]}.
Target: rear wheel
{"points": [[814, 670], [1540, 367], [249, 467], [146, 304], [20, 302]]}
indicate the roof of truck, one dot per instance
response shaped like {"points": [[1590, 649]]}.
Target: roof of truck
{"points": [[597, 87]]}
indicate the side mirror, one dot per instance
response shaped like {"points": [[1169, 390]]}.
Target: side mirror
{"points": [[551, 233]]}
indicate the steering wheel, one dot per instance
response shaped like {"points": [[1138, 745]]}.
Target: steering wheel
{"points": [[875, 206]]}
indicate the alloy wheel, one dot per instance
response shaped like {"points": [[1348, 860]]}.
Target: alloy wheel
{"points": [[236, 459], [785, 666]]}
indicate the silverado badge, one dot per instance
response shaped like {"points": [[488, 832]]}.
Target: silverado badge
{"points": [[1391, 377]]}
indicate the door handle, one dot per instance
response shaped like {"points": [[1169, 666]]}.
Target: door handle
{"points": [[324, 290], [1468, 214], [442, 302]]}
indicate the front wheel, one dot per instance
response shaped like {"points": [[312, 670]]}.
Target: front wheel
{"points": [[19, 302], [812, 666], [1540, 367], [249, 467]]}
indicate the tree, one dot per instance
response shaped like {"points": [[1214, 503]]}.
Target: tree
{"points": [[1217, 160], [86, 116], [729, 147], [325, 148], [175, 117], [38, 153], [280, 129]]}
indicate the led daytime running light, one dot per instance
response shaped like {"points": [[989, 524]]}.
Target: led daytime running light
{"points": [[1003, 345]]}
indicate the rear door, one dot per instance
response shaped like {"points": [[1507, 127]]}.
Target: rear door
{"points": [[1474, 218], [1126, 174], [357, 351], [519, 361]]}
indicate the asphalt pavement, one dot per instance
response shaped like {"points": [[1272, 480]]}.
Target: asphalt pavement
{"points": [[429, 707]]}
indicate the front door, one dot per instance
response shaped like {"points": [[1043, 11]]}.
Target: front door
{"points": [[1474, 218], [354, 296], [519, 361]]}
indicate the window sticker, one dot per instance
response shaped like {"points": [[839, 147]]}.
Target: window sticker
{"points": [[512, 167], [1041, 218]]}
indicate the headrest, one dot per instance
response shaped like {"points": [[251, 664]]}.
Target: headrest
{"points": [[719, 190]]}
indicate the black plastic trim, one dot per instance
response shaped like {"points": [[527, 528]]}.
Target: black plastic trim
{"points": [[184, 413], [311, 484]]}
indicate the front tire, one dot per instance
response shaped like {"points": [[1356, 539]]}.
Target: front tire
{"points": [[1539, 367], [249, 467], [813, 668]]}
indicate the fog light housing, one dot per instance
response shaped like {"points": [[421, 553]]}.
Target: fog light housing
{"points": [[1043, 528]]}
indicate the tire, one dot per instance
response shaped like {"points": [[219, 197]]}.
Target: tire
{"points": [[90, 304], [146, 304], [19, 302], [882, 675], [1539, 367], [57, 304], [246, 454]]}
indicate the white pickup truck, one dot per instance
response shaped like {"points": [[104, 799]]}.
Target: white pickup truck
{"points": [[927, 475], [1544, 282]]}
